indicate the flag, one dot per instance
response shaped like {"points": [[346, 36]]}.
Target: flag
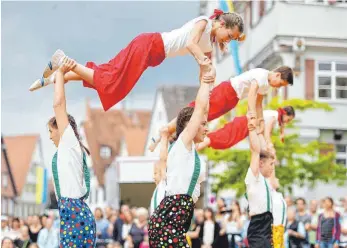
{"points": [[228, 6]]}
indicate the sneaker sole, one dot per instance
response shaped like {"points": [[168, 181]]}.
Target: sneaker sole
{"points": [[53, 65], [39, 83]]}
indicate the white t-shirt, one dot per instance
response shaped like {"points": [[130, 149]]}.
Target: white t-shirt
{"points": [[242, 83], [208, 233], [180, 168], [269, 115], [70, 166], [279, 209], [158, 196], [175, 42], [258, 193]]}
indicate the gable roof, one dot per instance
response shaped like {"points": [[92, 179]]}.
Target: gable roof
{"points": [[110, 129], [177, 97], [7, 171], [20, 150]]}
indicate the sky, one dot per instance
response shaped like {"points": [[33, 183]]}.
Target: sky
{"points": [[86, 31]]}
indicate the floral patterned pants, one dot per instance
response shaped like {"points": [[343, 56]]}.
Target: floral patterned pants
{"points": [[170, 222]]}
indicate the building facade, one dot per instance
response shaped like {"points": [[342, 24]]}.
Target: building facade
{"points": [[111, 136], [307, 36], [24, 176]]}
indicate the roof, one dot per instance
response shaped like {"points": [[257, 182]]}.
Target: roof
{"points": [[20, 150], [177, 97], [6, 170], [110, 129]]}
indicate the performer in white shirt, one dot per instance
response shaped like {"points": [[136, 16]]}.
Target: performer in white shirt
{"points": [[116, 78], [171, 220], [259, 193], [279, 213], [160, 172], [251, 85], [70, 171], [236, 130]]}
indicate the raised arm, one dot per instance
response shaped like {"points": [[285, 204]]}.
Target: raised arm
{"points": [[255, 148], [192, 44], [202, 67], [268, 132], [199, 116], [252, 97], [59, 102], [259, 110], [269, 126], [163, 152]]}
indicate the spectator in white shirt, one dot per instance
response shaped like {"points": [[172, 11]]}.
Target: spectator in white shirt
{"points": [[48, 236]]}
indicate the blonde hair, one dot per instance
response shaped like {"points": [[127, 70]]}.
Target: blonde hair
{"points": [[142, 212]]}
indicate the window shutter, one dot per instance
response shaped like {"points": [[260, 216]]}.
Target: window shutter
{"points": [[309, 79]]}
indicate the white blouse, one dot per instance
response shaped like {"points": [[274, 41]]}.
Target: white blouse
{"points": [[70, 166], [180, 168], [175, 42]]}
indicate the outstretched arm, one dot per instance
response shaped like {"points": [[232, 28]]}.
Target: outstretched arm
{"points": [[259, 110], [199, 113], [269, 126], [262, 141], [204, 144], [268, 132], [255, 148], [59, 102], [163, 152], [192, 44], [252, 97], [203, 68]]}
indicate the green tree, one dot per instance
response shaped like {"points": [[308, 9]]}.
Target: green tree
{"points": [[300, 164]]}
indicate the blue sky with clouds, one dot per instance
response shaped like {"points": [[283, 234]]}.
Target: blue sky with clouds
{"points": [[96, 31]]}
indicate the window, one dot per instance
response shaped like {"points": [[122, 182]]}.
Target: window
{"points": [[341, 154], [4, 180], [4, 206], [331, 80], [268, 5], [31, 188], [25, 210], [255, 9], [10, 207], [105, 152]]}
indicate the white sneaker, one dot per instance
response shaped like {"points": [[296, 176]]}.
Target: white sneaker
{"points": [[54, 64], [39, 83]]}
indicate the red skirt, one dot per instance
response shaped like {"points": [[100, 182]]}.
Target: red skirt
{"points": [[115, 79], [229, 135], [223, 99]]}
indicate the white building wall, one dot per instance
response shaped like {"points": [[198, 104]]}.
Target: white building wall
{"points": [[293, 19], [158, 120], [139, 169], [320, 25]]}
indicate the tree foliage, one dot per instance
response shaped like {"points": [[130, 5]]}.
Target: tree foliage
{"points": [[300, 164]]}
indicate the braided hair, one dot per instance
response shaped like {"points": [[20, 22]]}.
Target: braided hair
{"points": [[183, 118], [53, 123]]}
